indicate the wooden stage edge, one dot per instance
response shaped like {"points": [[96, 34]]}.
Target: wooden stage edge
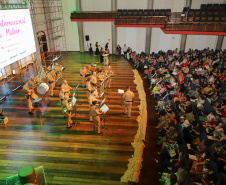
{"points": [[76, 155]]}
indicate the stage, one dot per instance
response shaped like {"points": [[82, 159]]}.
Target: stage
{"points": [[76, 155]]}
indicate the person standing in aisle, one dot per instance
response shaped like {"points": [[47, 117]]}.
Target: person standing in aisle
{"points": [[128, 97], [97, 52], [125, 50]]}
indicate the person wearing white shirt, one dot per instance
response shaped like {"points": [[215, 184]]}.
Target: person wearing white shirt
{"points": [[125, 50]]}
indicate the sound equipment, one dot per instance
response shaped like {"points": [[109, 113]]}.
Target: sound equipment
{"points": [[87, 37]]}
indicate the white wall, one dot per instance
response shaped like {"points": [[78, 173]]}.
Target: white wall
{"points": [[71, 28], [161, 41], [98, 32], [201, 42], [96, 5], [26, 60], [197, 3], [174, 5], [132, 37], [132, 4]]}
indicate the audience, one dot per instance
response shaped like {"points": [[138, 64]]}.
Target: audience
{"points": [[189, 89]]}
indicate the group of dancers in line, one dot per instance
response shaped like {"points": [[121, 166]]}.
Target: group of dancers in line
{"points": [[89, 78]]}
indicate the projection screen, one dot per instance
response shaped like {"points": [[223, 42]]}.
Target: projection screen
{"points": [[16, 36]]}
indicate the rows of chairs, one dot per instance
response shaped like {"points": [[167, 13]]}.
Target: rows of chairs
{"points": [[145, 12], [207, 13], [213, 6]]}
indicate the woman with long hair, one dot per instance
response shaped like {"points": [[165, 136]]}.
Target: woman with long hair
{"points": [[97, 52]]}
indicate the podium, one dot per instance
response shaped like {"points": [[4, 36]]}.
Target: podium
{"points": [[106, 59]]}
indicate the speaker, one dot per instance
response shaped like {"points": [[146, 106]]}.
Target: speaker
{"points": [[87, 37]]}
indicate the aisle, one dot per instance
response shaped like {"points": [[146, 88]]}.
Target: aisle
{"points": [[76, 155]]}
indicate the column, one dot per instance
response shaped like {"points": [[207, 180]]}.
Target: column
{"points": [[184, 36], [113, 28], [220, 40], [183, 42], [188, 3], [148, 30], [80, 29]]}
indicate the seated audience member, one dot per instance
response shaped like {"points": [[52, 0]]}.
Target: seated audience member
{"points": [[189, 89]]}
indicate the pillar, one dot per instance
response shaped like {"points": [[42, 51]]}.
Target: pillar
{"points": [[188, 3], [148, 30], [184, 36], [220, 40], [80, 28], [183, 42], [113, 28]]}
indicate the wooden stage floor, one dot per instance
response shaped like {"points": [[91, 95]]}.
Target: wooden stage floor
{"points": [[76, 155]]}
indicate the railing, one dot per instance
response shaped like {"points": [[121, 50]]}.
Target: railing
{"points": [[203, 27], [94, 15], [160, 20]]}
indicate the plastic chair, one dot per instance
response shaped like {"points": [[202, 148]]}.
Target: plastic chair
{"points": [[141, 12], [162, 12], [168, 12], [124, 12], [135, 13], [196, 19], [146, 12], [216, 6], [197, 12], [217, 19], [223, 19], [191, 12], [216, 12], [130, 12], [203, 18], [210, 19], [190, 18], [184, 19], [203, 12], [157, 12], [222, 6], [203, 7], [151, 12], [209, 13], [120, 12], [222, 13], [209, 6]]}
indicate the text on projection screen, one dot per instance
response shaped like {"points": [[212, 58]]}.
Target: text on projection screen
{"points": [[16, 36]]}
